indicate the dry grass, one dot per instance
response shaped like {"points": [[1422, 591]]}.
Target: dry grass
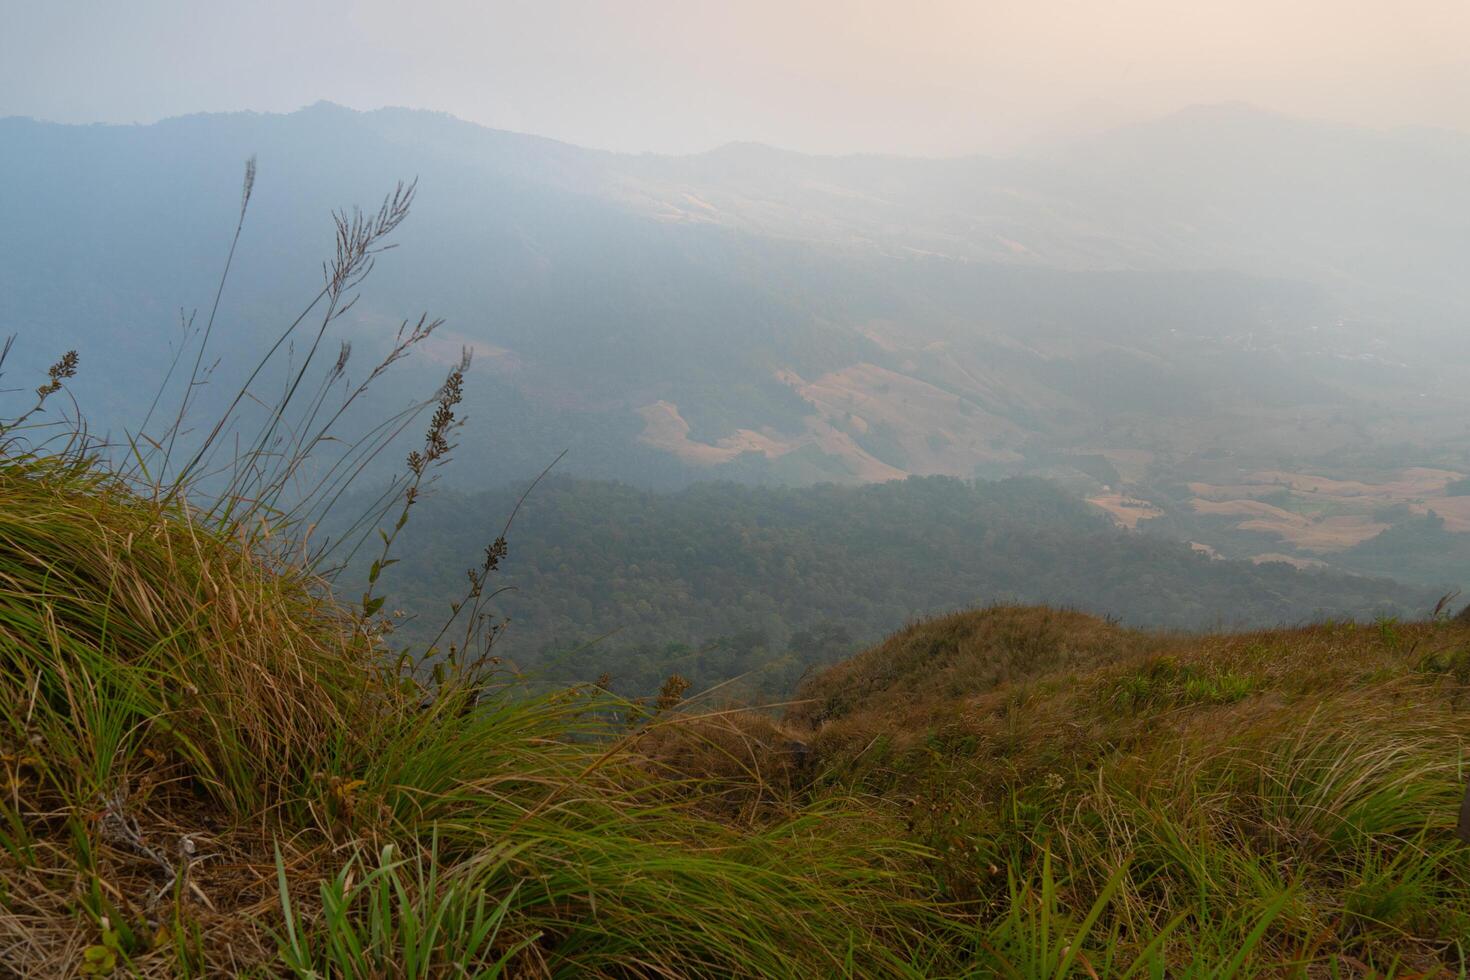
{"points": [[749, 766], [162, 689], [930, 671], [210, 767], [1313, 774]]}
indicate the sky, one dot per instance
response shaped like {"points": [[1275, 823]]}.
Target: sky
{"points": [[920, 77]]}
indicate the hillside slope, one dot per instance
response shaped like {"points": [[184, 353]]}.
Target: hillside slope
{"points": [[1290, 796], [212, 768]]}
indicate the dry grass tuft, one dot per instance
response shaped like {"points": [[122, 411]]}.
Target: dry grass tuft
{"points": [[1291, 793], [210, 768]]}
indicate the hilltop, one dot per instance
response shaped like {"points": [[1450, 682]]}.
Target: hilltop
{"points": [[1272, 803]]}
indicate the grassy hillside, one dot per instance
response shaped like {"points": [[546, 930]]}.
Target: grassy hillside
{"points": [[212, 768], [1266, 803]]}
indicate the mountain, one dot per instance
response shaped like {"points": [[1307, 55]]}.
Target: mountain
{"points": [[1219, 281]]}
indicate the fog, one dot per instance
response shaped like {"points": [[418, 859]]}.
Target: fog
{"points": [[937, 77]]}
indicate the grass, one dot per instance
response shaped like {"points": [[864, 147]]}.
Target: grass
{"points": [[390, 918], [210, 769], [1292, 794]]}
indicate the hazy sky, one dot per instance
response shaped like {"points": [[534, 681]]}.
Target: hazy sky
{"points": [[909, 76]]}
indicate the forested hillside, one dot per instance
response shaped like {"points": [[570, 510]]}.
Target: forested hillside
{"points": [[720, 579]]}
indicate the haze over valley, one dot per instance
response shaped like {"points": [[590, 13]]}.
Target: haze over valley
{"points": [[1225, 325]]}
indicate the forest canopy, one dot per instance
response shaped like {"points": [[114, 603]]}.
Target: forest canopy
{"points": [[721, 579]]}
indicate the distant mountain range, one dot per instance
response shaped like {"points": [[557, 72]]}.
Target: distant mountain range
{"points": [[1222, 280]]}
